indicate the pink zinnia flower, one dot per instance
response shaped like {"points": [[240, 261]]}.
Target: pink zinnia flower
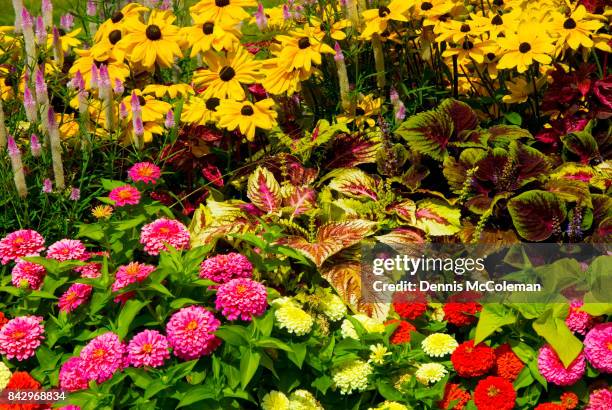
{"points": [[102, 357], [223, 268], [190, 332], [71, 375], [24, 242], [598, 347], [28, 274], [148, 348], [577, 320], [162, 231], [146, 172], [600, 400], [21, 336], [75, 296], [241, 298], [125, 195], [68, 249], [552, 369], [92, 270], [131, 273]]}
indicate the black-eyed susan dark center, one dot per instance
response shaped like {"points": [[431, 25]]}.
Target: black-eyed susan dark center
{"points": [[247, 110], [467, 45], [465, 28], [524, 47], [498, 2], [117, 17], [303, 43], [426, 6], [153, 32], [222, 3], [490, 56], [497, 20], [359, 111], [227, 73], [444, 17], [212, 104], [142, 101], [114, 36], [207, 28], [324, 26], [383, 11], [569, 24]]}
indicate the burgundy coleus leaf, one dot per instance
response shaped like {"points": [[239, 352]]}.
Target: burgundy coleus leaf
{"points": [[603, 91], [264, 190], [463, 116], [350, 150], [331, 239], [583, 145], [354, 183], [537, 215], [456, 170], [428, 133], [212, 174], [406, 210]]}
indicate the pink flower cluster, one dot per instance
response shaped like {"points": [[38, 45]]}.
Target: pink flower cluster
{"points": [[223, 268], [21, 336], [125, 195], [67, 250], [75, 296], [28, 274], [148, 348], [25, 242], [551, 367], [102, 357], [600, 399], [157, 234], [241, 298], [191, 332], [72, 377], [146, 172], [577, 320], [598, 347], [131, 273]]}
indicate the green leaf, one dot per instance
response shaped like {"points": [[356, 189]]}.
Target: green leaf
{"points": [[180, 302], [437, 218], [297, 354], [140, 377], [109, 185], [492, 317], [160, 288], [196, 394], [273, 343], [249, 362], [551, 326], [513, 118], [388, 391], [322, 383], [233, 335], [127, 315]]}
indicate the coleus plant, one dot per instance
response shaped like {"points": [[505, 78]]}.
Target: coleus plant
{"points": [[438, 176]]}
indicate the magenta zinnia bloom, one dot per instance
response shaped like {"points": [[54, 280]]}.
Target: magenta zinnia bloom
{"points": [[24, 242], [27, 274], [223, 268], [148, 348], [552, 369], [146, 172], [125, 195], [160, 232], [21, 336], [241, 298], [190, 332], [577, 320], [68, 249], [71, 375], [131, 273], [600, 400], [75, 296], [92, 270], [598, 347], [102, 357]]}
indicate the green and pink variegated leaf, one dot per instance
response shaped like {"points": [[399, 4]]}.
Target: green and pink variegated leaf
{"points": [[331, 239], [536, 215], [264, 190], [583, 145], [437, 218], [406, 210], [570, 191], [463, 116], [428, 133], [350, 150], [401, 236], [503, 135], [354, 183], [299, 199], [456, 171]]}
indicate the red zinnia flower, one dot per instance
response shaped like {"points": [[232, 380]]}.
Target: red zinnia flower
{"points": [[453, 393], [472, 361], [22, 381], [508, 365], [569, 400], [402, 332], [461, 314], [409, 305], [3, 320], [494, 393]]}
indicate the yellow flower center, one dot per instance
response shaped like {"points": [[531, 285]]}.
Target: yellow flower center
{"points": [[18, 241], [193, 325], [164, 230], [492, 391], [147, 348], [125, 194], [240, 289], [99, 353], [18, 335]]}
